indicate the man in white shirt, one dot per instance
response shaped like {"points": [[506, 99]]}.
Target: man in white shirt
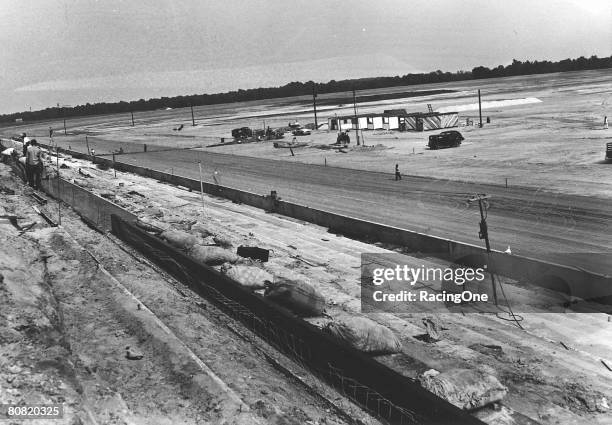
{"points": [[34, 164]]}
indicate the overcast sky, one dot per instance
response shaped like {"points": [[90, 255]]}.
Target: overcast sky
{"points": [[77, 51]]}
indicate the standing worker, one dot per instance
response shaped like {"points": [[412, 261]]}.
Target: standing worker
{"points": [[26, 143], [398, 176], [605, 123], [34, 164]]}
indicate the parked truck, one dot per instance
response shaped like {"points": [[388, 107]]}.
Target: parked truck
{"points": [[446, 139]]}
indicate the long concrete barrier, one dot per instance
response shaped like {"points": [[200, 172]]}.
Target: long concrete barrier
{"points": [[91, 207], [567, 279]]}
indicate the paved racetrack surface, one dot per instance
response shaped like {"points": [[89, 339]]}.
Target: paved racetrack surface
{"points": [[568, 229]]}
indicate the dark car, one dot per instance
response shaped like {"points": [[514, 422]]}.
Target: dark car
{"points": [[446, 139]]}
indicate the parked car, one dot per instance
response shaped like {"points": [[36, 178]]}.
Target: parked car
{"points": [[446, 139], [301, 132]]}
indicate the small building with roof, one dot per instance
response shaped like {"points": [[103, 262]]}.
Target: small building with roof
{"points": [[395, 119]]}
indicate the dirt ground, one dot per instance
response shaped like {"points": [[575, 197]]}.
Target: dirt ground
{"points": [[552, 367], [74, 303]]}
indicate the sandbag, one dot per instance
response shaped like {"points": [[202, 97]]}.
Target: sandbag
{"points": [[201, 229], [465, 388], [249, 276], [223, 241], [212, 255], [179, 239], [365, 335], [299, 297]]}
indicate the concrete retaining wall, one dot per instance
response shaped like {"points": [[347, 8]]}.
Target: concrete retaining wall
{"points": [[568, 279], [93, 208]]}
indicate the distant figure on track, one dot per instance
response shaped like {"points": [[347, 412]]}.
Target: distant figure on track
{"points": [[605, 123], [398, 176]]}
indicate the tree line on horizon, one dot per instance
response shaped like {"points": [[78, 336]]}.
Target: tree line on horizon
{"points": [[306, 88]]}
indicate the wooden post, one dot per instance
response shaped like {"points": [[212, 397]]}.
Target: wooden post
{"points": [[479, 108], [64, 126], [314, 103], [59, 202], [192, 117], [87, 144], [132, 113], [355, 115], [201, 185], [114, 165]]}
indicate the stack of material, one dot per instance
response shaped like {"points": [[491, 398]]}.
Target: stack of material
{"points": [[212, 255], [364, 335], [249, 276], [465, 388], [299, 297]]}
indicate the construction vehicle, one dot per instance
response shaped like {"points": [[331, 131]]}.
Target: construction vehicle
{"points": [[242, 133]]}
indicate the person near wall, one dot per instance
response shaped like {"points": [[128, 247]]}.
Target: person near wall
{"points": [[26, 143], [398, 175], [34, 164]]}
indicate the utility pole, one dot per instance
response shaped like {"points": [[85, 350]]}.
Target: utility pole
{"points": [[63, 110], [132, 113], [356, 119], [192, 117], [479, 109], [314, 103], [201, 186], [59, 202], [484, 231], [87, 144]]}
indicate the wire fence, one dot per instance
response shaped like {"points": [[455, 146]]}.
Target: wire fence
{"points": [[300, 352]]}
